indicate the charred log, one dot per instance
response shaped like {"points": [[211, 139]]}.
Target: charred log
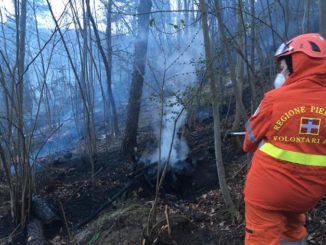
{"points": [[42, 210], [177, 181]]}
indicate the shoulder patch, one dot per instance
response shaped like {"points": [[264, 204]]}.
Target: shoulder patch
{"points": [[309, 125]]}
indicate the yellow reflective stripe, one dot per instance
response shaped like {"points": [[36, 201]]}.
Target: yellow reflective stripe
{"points": [[292, 156]]}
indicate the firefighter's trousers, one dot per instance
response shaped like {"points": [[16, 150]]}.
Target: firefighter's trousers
{"points": [[266, 227]]}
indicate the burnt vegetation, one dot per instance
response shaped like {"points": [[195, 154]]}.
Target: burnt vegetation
{"points": [[116, 116]]}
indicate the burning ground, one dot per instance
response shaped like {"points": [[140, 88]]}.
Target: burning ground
{"points": [[114, 210]]}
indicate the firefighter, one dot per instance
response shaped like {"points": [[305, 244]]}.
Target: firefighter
{"points": [[287, 134]]}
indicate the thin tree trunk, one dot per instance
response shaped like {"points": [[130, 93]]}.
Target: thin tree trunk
{"points": [[252, 56], [187, 18], [271, 23], [136, 89], [236, 88], [305, 18], [80, 85], [22, 155], [108, 74], [215, 96], [239, 68], [322, 17], [179, 5], [88, 115], [108, 33]]}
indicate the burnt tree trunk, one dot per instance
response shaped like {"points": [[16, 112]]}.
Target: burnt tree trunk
{"points": [[136, 89]]}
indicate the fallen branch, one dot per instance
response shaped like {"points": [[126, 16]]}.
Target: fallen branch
{"points": [[244, 166], [167, 217], [161, 224], [10, 236], [71, 240]]}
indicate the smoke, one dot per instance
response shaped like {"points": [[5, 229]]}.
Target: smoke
{"points": [[61, 136], [174, 118], [179, 71]]}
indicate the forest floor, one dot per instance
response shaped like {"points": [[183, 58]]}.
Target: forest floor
{"points": [[192, 212]]}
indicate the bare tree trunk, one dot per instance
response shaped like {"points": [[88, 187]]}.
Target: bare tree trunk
{"points": [[271, 23], [88, 117], [16, 137], [284, 5], [108, 70], [305, 18], [322, 18], [187, 18], [239, 76], [8, 138], [84, 82], [12, 189], [179, 6], [215, 97], [287, 17], [136, 89], [236, 88], [252, 56], [108, 33], [21, 147], [44, 70]]}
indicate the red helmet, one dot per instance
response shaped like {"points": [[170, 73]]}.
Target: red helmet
{"points": [[312, 44]]}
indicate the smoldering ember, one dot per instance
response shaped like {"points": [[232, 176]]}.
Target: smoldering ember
{"points": [[124, 122]]}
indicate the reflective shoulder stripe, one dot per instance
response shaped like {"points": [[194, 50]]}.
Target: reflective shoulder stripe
{"points": [[250, 133], [292, 156]]}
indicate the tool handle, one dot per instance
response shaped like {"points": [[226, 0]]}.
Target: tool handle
{"points": [[236, 133]]}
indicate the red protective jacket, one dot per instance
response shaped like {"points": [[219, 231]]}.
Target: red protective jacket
{"points": [[288, 135]]}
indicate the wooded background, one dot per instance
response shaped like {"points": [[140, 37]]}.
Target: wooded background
{"points": [[67, 75]]}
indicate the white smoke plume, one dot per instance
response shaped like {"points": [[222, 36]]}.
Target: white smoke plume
{"points": [[180, 74], [179, 149]]}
